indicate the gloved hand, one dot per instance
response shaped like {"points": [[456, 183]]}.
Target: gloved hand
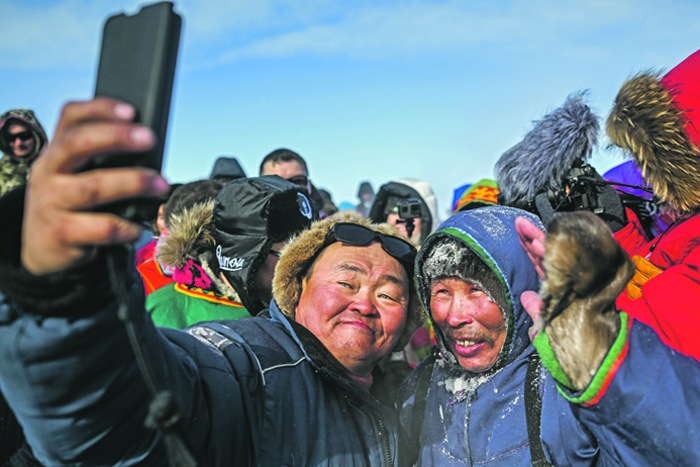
{"points": [[575, 318]]}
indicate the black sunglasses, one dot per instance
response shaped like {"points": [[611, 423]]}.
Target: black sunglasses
{"points": [[24, 136], [359, 235], [300, 180]]}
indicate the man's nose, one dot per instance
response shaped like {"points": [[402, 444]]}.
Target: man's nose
{"points": [[460, 314], [363, 303]]}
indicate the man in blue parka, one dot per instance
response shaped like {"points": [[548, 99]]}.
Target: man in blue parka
{"points": [[300, 388], [484, 398]]}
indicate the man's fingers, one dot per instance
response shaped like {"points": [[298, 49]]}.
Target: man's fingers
{"points": [[75, 145], [97, 109], [532, 304], [532, 240], [70, 234], [90, 189]]}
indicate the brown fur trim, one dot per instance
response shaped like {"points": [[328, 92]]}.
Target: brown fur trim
{"points": [[286, 286], [646, 122], [191, 233]]}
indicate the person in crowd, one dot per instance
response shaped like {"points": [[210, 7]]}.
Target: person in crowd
{"points": [[226, 169], [328, 207], [154, 272], [384, 208], [482, 193], [223, 247], [292, 167], [656, 120], [298, 389], [21, 140], [157, 230], [365, 193], [484, 397]]}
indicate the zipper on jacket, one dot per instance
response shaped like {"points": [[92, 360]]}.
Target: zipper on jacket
{"points": [[385, 442]]}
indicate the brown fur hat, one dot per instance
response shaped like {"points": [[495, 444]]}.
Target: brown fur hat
{"points": [[653, 119], [286, 286]]}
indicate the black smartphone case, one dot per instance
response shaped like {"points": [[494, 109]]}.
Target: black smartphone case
{"points": [[137, 66]]}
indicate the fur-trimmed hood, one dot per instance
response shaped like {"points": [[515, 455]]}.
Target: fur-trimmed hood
{"points": [[489, 232], [657, 121], [191, 233], [296, 257]]}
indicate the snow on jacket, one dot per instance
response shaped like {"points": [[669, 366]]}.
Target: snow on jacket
{"points": [[476, 419], [669, 301]]}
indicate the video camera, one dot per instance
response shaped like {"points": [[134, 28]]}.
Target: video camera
{"points": [[409, 209]]}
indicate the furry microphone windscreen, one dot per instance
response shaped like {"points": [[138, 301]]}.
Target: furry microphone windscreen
{"points": [[548, 151]]}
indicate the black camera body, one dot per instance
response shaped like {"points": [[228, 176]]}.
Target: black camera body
{"points": [[581, 189], [409, 208]]}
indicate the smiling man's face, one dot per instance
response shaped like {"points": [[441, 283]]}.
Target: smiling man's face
{"points": [[20, 140], [355, 301], [473, 325]]}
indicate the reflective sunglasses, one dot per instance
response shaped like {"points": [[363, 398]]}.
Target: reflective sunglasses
{"points": [[23, 136], [359, 235], [299, 180]]}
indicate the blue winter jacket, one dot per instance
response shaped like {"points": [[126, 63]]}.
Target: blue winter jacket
{"points": [[253, 391], [640, 408]]}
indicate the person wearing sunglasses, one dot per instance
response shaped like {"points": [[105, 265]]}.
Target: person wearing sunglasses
{"points": [[298, 388], [21, 139]]}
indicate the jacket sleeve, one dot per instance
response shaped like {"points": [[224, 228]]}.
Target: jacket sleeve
{"points": [[632, 237], [668, 302], [642, 404], [71, 377]]}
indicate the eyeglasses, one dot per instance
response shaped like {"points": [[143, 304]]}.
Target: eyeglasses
{"points": [[359, 235], [23, 136], [299, 180]]}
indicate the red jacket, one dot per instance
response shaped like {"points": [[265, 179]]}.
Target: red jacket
{"points": [[670, 302]]}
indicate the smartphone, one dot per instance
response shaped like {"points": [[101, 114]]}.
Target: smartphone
{"points": [[137, 65]]}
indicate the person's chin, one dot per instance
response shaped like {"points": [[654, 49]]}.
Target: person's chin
{"points": [[471, 357]]}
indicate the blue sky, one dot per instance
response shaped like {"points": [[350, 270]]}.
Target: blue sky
{"points": [[434, 90]]}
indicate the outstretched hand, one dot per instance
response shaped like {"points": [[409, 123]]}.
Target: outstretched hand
{"points": [[532, 240], [58, 229]]}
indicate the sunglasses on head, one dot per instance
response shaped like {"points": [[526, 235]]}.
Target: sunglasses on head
{"points": [[359, 235], [299, 180], [23, 136]]}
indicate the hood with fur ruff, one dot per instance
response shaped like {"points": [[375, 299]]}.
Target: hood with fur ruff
{"points": [[489, 233], [657, 121], [295, 261]]}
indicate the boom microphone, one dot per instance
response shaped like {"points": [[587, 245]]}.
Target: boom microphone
{"points": [[541, 160], [547, 171]]}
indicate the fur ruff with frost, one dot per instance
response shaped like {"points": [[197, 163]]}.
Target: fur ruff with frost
{"points": [[647, 123]]}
